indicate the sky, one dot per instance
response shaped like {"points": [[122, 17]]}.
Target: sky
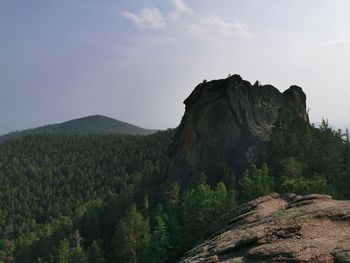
{"points": [[138, 60]]}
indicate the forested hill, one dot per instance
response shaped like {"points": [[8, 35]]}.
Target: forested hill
{"points": [[49, 181], [97, 198], [96, 124], [101, 198]]}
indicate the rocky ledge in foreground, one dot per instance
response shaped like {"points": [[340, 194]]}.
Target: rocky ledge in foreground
{"points": [[311, 228]]}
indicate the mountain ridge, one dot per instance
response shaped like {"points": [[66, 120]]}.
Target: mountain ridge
{"points": [[92, 124]]}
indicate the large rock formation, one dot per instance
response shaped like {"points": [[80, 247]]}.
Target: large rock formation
{"points": [[225, 123], [311, 228]]}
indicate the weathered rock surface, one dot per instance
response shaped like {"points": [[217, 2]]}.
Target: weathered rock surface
{"points": [[311, 228], [225, 123]]}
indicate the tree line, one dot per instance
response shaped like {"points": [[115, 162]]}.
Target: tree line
{"points": [[102, 198]]}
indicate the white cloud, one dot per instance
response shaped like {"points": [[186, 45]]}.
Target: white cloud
{"points": [[149, 17], [181, 7], [217, 25], [339, 43], [193, 30]]}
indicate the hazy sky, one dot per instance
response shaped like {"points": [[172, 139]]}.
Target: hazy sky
{"points": [[138, 60]]}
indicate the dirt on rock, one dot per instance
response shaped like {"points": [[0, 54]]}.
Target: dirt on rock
{"points": [[275, 228]]}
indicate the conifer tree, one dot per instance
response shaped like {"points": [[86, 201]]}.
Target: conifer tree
{"points": [[159, 245], [77, 255], [95, 252], [63, 253], [132, 237]]}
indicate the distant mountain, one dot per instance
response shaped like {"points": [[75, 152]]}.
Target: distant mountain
{"points": [[95, 124]]}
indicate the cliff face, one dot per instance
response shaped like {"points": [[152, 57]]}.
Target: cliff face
{"points": [[312, 228], [226, 123]]}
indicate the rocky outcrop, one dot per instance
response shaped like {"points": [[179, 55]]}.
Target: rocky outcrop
{"points": [[227, 123], [311, 228]]}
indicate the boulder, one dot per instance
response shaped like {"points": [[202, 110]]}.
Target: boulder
{"points": [[228, 123]]}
